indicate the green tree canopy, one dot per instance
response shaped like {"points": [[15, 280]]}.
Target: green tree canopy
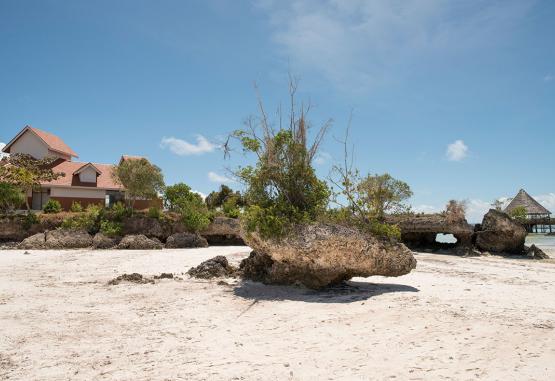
{"points": [[217, 199], [11, 197], [27, 173], [140, 178], [190, 205]]}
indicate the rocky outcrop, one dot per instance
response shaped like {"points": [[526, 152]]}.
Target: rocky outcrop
{"points": [[34, 242], [213, 268], [498, 233], [138, 242], [101, 241], [152, 227], [223, 231], [420, 230], [535, 252], [68, 239], [185, 240], [319, 255]]}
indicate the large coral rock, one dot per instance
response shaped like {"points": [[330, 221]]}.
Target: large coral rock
{"points": [[152, 227], [185, 240], [213, 268], [500, 234], [101, 241], [138, 242], [223, 231], [320, 255], [68, 239], [37, 241]]}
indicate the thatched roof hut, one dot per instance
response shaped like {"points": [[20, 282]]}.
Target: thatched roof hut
{"points": [[533, 208]]}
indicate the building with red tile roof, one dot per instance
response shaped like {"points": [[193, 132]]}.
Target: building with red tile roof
{"points": [[83, 182]]}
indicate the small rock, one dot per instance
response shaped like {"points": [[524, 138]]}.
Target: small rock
{"points": [[213, 268], [133, 278], [185, 240], [535, 253], [138, 242]]}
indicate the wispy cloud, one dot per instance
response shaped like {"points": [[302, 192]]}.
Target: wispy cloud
{"points": [[184, 148], [217, 178], [457, 151], [547, 200], [2, 154], [549, 78], [361, 43], [423, 208], [322, 158]]}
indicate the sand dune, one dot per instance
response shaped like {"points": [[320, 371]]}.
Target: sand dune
{"points": [[452, 318]]}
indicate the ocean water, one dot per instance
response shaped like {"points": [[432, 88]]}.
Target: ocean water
{"points": [[541, 240]]}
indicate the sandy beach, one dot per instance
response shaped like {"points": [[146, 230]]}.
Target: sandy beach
{"points": [[452, 318]]}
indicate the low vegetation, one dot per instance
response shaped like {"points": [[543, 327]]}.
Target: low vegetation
{"points": [[11, 198], [518, 214], [189, 205], [52, 206]]}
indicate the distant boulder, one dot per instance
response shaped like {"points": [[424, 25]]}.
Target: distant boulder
{"points": [[138, 242], [213, 268], [68, 239], [185, 240], [500, 234], [535, 252], [101, 241], [34, 242]]}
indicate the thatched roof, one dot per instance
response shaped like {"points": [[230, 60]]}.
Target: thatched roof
{"points": [[525, 200]]}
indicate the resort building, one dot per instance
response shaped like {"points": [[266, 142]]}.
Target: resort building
{"points": [[83, 182], [538, 218]]}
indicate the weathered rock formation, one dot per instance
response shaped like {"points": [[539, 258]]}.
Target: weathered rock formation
{"points": [[535, 252], [152, 227], [101, 241], [319, 255], [224, 231], [34, 242], [213, 268], [420, 230], [498, 233], [138, 242], [185, 240], [68, 239]]}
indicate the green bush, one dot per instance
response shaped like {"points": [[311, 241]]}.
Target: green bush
{"points": [[52, 206], [11, 198], [385, 230], [89, 220], [154, 212], [76, 207], [230, 208], [194, 214], [29, 220], [110, 228], [519, 214], [119, 211]]}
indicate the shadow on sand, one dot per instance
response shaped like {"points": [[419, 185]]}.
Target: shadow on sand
{"points": [[346, 292]]}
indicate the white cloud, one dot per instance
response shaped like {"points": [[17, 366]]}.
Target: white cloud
{"points": [[2, 154], [184, 148], [360, 43], [426, 209], [216, 178], [457, 151], [322, 158], [549, 78], [547, 200]]}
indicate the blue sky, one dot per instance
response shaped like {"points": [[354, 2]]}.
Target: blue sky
{"points": [[457, 98]]}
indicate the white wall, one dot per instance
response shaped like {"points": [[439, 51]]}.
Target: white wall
{"points": [[30, 144], [88, 175], [77, 192]]}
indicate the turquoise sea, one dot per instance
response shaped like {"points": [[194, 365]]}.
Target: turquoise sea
{"points": [[542, 241]]}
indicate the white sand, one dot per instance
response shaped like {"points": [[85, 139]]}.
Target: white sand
{"points": [[452, 318]]}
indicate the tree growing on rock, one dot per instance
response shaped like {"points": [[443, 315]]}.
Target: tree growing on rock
{"points": [[27, 173], [518, 214], [190, 205], [140, 178], [282, 187], [455, 211]]}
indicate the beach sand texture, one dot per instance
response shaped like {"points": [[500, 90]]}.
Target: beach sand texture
{"points": [[452, 318]]}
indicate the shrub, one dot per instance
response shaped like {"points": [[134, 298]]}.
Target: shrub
{"points": [[76, 207], [11, 197], [119, 211], [230, 208], [29, 220], [154, 212], [89, 221], [110, 228], [194, 215], [519, 213], [140, 178], [52, 206]]}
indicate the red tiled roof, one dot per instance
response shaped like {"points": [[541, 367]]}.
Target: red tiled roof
{"points": [[103, 181], [53, 142]]}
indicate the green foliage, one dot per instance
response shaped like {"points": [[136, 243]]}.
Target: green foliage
{"points": [[27, 173], [111, 228], [140, 178], [11, 197], [175, 194], [282, 188], [154, 212], [89, 220], [194, 214], [345, 216], [230, 207], [519, 214], [52, 206], [76, 207], [381, 194], [217, 199], [29, 220], [119, 211], [381, 229]]}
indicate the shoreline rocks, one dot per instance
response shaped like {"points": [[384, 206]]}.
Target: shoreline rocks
{"points": [[185, 240], [498, 233]]}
